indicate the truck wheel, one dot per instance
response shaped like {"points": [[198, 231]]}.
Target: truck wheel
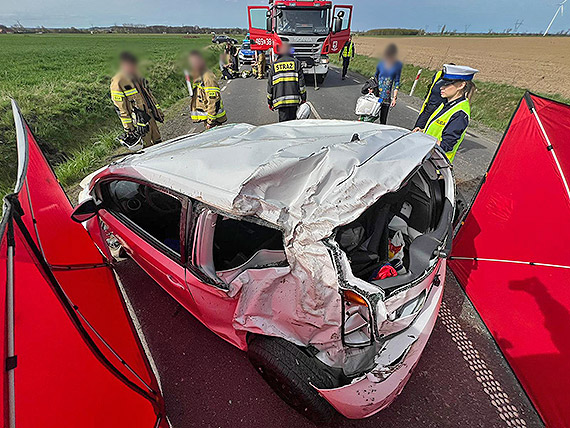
{"points": [[290, 372]]}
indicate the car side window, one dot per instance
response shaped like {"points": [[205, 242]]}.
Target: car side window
{"points": [[156, 213]]}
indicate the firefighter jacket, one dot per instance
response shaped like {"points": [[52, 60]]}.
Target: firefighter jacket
{"points": [[134, 101], [207, 105], [286, 84]]}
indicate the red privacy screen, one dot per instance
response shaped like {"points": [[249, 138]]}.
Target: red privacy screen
{"points": [[80, 362], [512, 255]]}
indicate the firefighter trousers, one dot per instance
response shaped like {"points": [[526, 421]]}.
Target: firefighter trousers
{"points": [[287, 113]]}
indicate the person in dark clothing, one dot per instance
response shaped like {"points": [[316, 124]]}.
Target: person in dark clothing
{"points": [[432, 100], [286, 85], [346, 54], [232, 53]]}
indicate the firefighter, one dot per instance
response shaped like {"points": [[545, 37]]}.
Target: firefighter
{"points": [[346, 54], [207, 106], [286, 84], [433, 99], [448, 123], [136, 106], [260, 64]]}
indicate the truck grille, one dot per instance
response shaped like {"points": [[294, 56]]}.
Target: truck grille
{"points": [[305, 50]]}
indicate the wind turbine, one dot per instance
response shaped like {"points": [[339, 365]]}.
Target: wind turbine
{"points": [[559, 10]]}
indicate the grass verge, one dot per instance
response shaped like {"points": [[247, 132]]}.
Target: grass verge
{"points": [[492, 106], [61, 83]]}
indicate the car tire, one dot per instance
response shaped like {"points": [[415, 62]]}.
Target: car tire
{"points": [[321, 78], [291, 372]]}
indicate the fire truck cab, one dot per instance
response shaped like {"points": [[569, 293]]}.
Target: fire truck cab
{"points": [[314, 29]]}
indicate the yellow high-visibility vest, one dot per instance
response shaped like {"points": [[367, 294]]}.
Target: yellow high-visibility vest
{"points": [[348, 50], [436, 125]]}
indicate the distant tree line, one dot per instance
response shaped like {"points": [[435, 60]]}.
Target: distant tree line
{"points": [[123, 29], [444, 31], [394, 32]]}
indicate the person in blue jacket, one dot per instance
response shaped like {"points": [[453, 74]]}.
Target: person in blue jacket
{"points": [[388, 73]]}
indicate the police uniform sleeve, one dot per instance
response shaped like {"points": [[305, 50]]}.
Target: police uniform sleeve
{"points": [[213, 93], [302, 87], [121, 105], [453, 130], [433, 103]]}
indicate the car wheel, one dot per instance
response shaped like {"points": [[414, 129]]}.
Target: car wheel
{"points": [[321, 78], [291, 372]]}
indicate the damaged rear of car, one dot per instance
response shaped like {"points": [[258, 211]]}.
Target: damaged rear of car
{"points": [[317, 246]]}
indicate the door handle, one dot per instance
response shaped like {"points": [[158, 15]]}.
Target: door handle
{"points": [[174, 281]]}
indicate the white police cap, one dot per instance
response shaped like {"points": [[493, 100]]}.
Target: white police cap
{"points": [[458, 72]]}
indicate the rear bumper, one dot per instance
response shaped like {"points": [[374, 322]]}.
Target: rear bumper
{"points": [[377, 389]]}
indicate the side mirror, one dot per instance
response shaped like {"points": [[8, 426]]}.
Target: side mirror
{"points": [[85, 211], [337, 25], [268, 25]]}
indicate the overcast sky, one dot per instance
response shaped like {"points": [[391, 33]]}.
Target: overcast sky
{"points": [[479, 15]]}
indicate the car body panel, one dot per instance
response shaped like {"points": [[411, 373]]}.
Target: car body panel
{"points": [[371, 393]]}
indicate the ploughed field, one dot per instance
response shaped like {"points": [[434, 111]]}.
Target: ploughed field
{"points": [[61, 82], [537, 63]]}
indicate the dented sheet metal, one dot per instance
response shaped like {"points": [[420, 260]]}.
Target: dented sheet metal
{"points": [[305, 177], [394, 363]]}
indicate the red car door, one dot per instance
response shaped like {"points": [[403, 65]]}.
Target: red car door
{"points": [[150, 226]]}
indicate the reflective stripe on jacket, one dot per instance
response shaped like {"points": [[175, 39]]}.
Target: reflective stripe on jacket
{"points": [[437, 123], [207, 105], [435, 80], [286, 83], [348, 50]]}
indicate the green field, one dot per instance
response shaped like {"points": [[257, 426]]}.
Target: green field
{"points": [[61, 83], [492, 105]]}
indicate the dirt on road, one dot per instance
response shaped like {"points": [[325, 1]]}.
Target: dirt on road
{"points": [[537, 63]]}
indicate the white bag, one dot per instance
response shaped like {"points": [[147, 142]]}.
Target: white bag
{"points": [[303, 112], [368, 105]]}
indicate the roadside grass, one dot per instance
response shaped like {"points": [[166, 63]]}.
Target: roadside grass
{"points": [[493, 103], [61, 83]]}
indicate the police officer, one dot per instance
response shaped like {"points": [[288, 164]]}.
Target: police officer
{"points": [[433, 99], [346, 54], [448, 123], [286, 85], [136, 106], [207, 106]]}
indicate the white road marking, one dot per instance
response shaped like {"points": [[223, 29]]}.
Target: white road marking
{"points": [[499, 399], [414, 109], [314, 110], [356, 81], [224, 88]]}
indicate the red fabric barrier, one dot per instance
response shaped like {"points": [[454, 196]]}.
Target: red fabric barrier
{"points": [[72, 329], [520, 220]]}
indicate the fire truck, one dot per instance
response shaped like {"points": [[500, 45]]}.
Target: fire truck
{"points": [[314, 29]]}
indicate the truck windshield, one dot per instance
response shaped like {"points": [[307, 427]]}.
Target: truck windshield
{"points": [[303, 21]]}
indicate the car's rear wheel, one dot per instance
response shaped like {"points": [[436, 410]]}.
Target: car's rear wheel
{"points": [[290, 371]]}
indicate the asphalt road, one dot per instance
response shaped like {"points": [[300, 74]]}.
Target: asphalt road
{"points": [[461, 379]]}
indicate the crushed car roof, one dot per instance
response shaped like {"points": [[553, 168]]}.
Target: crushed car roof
{"points": [[301, 172]]}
